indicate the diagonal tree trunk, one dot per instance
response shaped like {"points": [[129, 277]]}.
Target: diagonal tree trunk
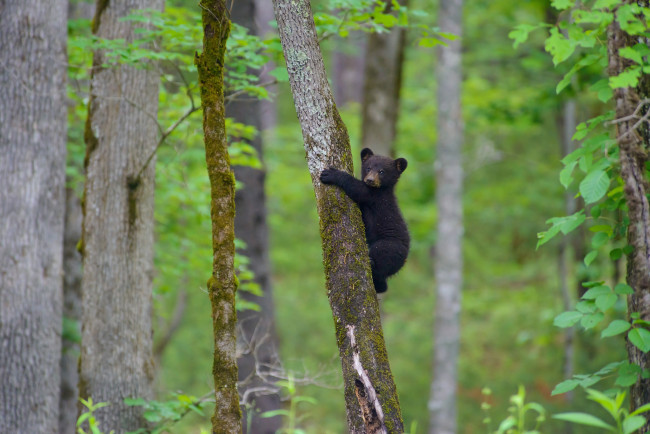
{"points": [[449, 257], [633, 145], [32, 182], [118, 236], [223, 283], [370, 393]]}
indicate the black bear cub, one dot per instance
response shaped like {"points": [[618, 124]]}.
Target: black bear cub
{"points": [[386, 232]]}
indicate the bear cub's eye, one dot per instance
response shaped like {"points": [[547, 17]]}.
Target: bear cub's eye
{"points": [[381, 172]]}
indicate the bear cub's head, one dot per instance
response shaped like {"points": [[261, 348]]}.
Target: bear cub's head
{"points": [[380, 172]]}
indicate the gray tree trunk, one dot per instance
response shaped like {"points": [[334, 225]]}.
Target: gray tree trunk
{"points": [[33, 75], [381, 90], [565, 258], [257, 327], [347, 61], [449, 196], [71, 313], [370, 395], [118, 236]]}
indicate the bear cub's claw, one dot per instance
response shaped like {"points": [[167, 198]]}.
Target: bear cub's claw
{"points": [[327, 175]]}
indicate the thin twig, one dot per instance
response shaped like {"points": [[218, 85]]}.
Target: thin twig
{"points": [[164, 136]]}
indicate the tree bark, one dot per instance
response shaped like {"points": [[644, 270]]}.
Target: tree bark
{"points": [[381, 91], [565, 257], [118, 236], [33, 75], [71, 313], [258, 327], [633, 145], [368, 382], [449, 257], [222, 285]]}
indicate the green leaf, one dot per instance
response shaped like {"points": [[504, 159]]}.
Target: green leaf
{"points": [[567, 319], [599, 239], [628, 78], [589, 258], [632, 54], [624, 289], [273, 413], [594, 186], [601, 4], [642, 409], [559, 46], [616, 327], [562, 4], [596, 291], [565, 386], [640, 338], [633, 423], [566, 174], [584, 419], [606, 301], [591, 320], [520, 34], [602, 89], [615, 254]]}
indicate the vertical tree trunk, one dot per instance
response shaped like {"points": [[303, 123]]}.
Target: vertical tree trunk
{"points": [[565, 258], [381, 90], [222, 285], [347, 61], [258, 327], [370, 394], [118, 237], [449, 257], [71, 313], [633, 146], [32, 173]]}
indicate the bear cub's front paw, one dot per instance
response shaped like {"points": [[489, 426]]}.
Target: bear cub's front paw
{"points": [[328, 176]]}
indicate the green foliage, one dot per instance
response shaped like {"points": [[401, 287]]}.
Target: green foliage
{"points": [[516, 422], [582, 36], [292, 418], [89, 418], [164, 415], [624, 421]]}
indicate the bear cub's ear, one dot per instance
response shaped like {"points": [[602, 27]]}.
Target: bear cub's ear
{"points": [[366, 153], [401, 164]]}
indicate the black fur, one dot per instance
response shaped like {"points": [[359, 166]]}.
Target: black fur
{"points": [[386, 232]]}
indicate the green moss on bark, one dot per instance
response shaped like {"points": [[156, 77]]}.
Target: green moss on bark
{"points": [[222, 285]]}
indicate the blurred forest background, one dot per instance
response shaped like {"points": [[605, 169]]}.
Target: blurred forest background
{"points": [[512, 292], [516, 129]]}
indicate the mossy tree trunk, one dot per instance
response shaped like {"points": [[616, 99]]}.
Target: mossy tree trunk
{"points": [[33, 76], [223, 283], [370, 394], [633, 153], [449, 198], [118, 227]]}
